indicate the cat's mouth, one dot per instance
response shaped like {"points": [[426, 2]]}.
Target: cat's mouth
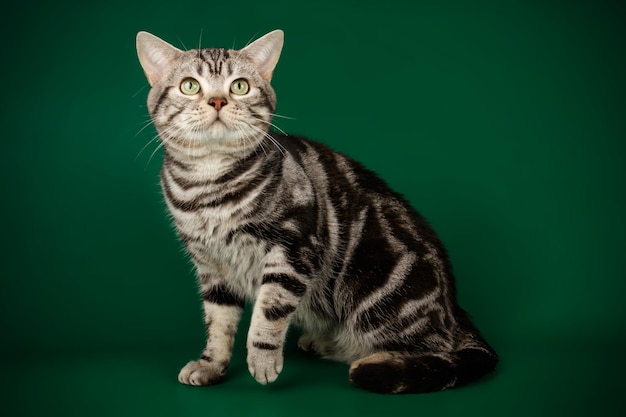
{"points": [[217, 129], [217, 126]]}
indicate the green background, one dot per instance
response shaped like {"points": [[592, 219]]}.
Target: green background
{"points": [[501, 121]]}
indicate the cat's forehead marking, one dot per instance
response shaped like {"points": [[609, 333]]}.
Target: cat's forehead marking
{"points": [[214, 63], [216, 60]]}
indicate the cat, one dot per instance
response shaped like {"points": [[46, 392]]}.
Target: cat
{"points": [[309, 236]]}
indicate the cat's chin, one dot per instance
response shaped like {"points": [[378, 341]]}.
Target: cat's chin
{"points": [[216, 131]]}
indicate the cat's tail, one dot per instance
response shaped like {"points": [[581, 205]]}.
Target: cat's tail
{"points": [[402, 372]]}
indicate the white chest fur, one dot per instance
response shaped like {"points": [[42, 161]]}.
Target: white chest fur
{"points": [[220, 253]]}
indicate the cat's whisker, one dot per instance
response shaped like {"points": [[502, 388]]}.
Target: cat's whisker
{"points": [[155, 138], [182, 43], [140, 90], [150, 142], [248, 138], [200, 40], [159, 146], [251, 39], [146, 124], [249, 135], [164, 139], [271, 124], [280, 147], [282, 117]]}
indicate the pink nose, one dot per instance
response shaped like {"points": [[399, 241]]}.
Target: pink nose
{"points": [[217, 102]]}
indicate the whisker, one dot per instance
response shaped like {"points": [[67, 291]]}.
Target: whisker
{"points": [[251, 39], [281, 116], [200, 40], [164, 137], [248, 138], [161, 145], [252, 135], [271, 124], [150, 142], [280, 147], [147, 123], [139, 91]]}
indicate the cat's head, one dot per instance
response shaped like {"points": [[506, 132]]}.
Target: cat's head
{"points": [[209, 99]]}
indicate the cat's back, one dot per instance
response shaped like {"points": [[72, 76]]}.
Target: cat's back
{"points": [[348, 183], [341, 171]]}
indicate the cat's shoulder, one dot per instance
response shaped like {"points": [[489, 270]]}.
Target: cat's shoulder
{"points": [[301, 147]]}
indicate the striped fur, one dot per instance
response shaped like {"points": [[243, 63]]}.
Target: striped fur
{"points": [[308, 235]]}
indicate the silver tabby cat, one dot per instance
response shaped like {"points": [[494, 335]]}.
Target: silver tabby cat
{"points": [[309, 236]]}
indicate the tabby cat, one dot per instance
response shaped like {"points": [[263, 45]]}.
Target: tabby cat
{"points": [[308, 235]]}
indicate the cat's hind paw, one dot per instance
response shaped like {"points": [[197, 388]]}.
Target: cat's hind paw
{"points": [[322, 347], [201, 373], [305, 343]]}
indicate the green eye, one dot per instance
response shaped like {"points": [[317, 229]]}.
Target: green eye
{"points": [[190, 86], [239, 87]]}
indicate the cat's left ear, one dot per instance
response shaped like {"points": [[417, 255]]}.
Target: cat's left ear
{"points": [[155, 55], [265, 51]]}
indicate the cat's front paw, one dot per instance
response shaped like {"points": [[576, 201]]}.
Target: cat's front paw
{"points": [[265, 363], [201, 373]]}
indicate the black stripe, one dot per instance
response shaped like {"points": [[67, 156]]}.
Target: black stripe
{"points": [[241, 168], [214, 58], [294, 145], [264, 101], [239, 194], [187, 206], [264, 346], [161, 99], [232, 197], [277, 313], [173, 115], [200, 69], [287, 282], [181, 205], [184, 183], [206, 358], [169, 159], [221, 295]]}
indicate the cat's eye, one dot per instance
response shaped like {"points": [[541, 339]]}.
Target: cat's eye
{"points": [[239, 87], [190, 86]]}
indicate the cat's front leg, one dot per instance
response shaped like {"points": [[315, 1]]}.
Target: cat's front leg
{"points": [[222, 311], [280, 293]]}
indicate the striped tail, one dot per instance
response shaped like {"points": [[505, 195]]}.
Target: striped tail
{"points": [[401, 372]]}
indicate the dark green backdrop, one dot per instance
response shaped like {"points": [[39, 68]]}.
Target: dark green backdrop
{"points": [[502, 121]]}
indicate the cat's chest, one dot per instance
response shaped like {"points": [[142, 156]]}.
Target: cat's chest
{"points": [[217, 248]]}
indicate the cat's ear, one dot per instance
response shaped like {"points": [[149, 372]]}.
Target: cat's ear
{"points": [[155, 56], [265, 51]]}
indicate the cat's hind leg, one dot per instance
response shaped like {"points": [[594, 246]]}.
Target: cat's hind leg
{"points": [[400, 372]]}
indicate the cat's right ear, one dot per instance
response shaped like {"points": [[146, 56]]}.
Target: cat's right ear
{"points": [[155, 56], [265, 51]]}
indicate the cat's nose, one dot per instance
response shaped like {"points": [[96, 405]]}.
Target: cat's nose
{"points": [[217, 102]]}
